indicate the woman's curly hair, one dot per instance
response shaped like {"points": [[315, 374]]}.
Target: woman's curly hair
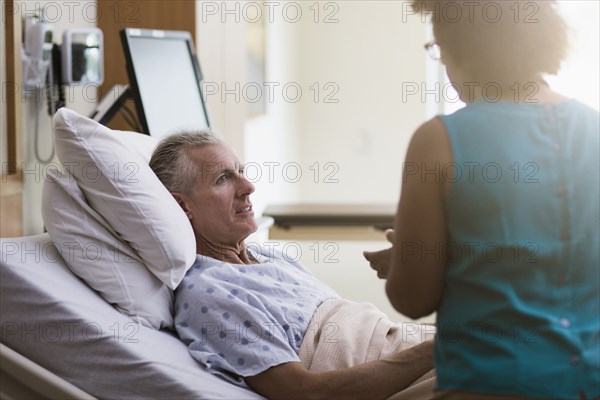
{"points": [[501, 41]]}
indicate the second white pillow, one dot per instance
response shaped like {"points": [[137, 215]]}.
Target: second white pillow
{"points": [[93, 252]]}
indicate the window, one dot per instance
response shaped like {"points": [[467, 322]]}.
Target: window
{"points": [[578, 76]]}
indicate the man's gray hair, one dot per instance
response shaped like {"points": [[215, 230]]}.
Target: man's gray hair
{"points": [[172, 164]]}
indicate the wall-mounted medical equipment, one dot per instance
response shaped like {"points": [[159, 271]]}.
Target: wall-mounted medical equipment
{"points": [[48, 66], [37, 52], [165, 80], [82, 52]]}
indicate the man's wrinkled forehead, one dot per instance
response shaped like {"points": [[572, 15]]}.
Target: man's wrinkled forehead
{"points": [[214, 160]]}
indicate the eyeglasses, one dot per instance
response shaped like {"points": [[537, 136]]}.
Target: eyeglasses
{"points": [[433, 50]]}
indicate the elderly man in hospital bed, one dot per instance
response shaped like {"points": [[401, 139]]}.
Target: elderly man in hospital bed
{"points": [[256, 318]]}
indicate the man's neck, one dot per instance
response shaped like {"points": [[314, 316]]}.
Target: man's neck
{"points": [[230, 254]]}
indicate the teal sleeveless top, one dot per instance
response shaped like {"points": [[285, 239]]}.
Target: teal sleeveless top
{"points": [[520, 313]]}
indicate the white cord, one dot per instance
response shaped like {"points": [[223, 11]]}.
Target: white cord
{"points": [[38, 71], [36, 143]]}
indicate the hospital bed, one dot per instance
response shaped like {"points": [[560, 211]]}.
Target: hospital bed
{"points": [[60, 338]]}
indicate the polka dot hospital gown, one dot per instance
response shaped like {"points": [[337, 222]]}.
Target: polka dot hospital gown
{"points": [[239, 320]]}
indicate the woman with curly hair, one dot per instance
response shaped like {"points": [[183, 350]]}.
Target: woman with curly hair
{"points": [[498, 222]]}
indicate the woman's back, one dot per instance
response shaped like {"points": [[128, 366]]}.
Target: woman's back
{"points": [[519, 313]]}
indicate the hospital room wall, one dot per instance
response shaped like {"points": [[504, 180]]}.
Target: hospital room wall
{"points": [[259, 140], [272, 140], [349, 143], [221, 53], [370, 56]]}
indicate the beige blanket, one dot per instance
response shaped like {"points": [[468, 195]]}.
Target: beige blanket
{"points": [[342, 334]]}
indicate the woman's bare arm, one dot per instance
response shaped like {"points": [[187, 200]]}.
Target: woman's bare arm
{"points": [[415, 281]]}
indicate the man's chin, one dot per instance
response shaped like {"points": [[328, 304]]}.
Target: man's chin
{"points": [[253, 227], [248, 228]]}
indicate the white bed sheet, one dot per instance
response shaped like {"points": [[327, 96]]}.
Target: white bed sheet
{"points": [[51, 317]]}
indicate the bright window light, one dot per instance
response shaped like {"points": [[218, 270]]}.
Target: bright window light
{"points": [[578, 76]]}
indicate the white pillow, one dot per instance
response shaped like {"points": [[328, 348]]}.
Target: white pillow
{"points": [[111, 168], [93, 252]]}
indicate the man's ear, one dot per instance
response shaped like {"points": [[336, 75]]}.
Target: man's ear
{"points": [[184, 202]]}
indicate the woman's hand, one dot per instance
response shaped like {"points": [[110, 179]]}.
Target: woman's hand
{"points": [[381, 260]]}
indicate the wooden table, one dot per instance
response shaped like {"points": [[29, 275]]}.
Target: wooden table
{"points": [[330, 221]]}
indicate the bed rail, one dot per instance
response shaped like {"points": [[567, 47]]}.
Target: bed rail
{"points": [[21, 378]]}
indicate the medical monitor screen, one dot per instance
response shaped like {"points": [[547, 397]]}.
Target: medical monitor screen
{"points": [[166, 80]]}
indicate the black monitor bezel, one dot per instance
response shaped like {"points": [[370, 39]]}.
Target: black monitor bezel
{"points": [[126, 34]]}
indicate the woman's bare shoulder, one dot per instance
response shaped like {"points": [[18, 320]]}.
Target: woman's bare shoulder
{"points": [[430, 142]]}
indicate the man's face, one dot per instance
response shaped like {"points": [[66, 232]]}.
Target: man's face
{"points": [[220, 209]]}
